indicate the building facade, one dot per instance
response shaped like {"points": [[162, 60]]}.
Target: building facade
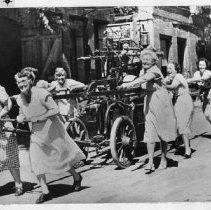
{"points": [[23, 42], [172, 30]]}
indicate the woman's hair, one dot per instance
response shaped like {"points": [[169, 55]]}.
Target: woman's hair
{"points": [[176, 66], [28, 72], [59, 70], [151, 53], [205, 60]]}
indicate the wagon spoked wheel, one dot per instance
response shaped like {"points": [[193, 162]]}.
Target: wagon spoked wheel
{"points": [[123, 141], [78, 132]]}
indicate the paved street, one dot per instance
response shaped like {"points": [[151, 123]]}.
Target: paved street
{"points": [[183, 180]]}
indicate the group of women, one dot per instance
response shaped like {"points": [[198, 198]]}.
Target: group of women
{"points": [[51, 148], [52, 151], [165, 120]]}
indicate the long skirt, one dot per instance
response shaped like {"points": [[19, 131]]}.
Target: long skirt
{"points": [[184, 111], [160, 119], [52, 151], [9, 159]]}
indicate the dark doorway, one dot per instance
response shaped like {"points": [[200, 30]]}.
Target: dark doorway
{"points": [[165, 44], [207, 53], [97, 47], [10, 54], [181, 44], [70, 51], [77, 47]]}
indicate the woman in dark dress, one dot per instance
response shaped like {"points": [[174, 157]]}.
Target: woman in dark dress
{"points": [[9, 159]]}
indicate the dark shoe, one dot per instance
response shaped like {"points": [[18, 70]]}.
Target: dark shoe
{"points": [[77, 184], [44, 197], [187, 156], [19, 191]]}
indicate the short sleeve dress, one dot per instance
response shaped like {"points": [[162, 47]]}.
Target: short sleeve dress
{"points": [[204, 92], [66, 106], [51, 148], [205, 75], [183, 106], [9, 159], [160, 119]]}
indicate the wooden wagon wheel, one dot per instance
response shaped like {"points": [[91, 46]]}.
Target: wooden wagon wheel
{"points": [[78, 132], [123, 141], [111, 116]]}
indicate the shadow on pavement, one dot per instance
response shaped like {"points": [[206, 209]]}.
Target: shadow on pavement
{"points": [[141, 166], [170, 163], [60, 179], [9, 188], [206, 136], [59, 190], [181, 151], [201, 135]]}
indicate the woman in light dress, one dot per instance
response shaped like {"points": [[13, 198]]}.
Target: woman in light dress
{"points": [[51, 148], [183, 105], [160, 120], [66, 106], [9, 159], [203, 78], [61, 84], [202, 74]]}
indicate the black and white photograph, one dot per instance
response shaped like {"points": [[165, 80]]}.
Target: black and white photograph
{"points": [[105, 104]]}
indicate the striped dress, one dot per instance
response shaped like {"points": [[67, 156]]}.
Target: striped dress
{"points": [[9, 159]]}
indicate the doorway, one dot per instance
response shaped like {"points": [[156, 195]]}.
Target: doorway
{"points": [[165, 44], [181, 44], [10, 54], [77, 44]]}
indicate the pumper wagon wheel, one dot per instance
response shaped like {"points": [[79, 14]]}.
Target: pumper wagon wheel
{"points": [[123, 141], [78, 131]]}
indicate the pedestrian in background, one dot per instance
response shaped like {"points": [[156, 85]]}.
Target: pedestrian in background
{"points": [[51, 148], [9, 159], [183, 104], [160, 120]]}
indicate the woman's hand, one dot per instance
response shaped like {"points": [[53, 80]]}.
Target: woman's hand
{"points": [[122, 87], [168, 80], [85, 87], [20, 119], [37, 119]]}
